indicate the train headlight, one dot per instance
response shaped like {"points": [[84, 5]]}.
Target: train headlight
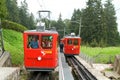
{"points": [[39, 58]]}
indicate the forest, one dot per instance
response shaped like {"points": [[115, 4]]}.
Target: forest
{"points": [[96, 24]]}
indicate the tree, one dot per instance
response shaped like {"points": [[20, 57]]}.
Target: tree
{"points": [[26, 19], [93, 26], [13, 10], [75, 19], [3, 9], [31, 22], [110, 19], [60, 26], [23, 14], [67, 26]]}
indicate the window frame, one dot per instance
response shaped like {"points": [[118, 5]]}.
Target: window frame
{"points": [[45, 43], [28, 42], [68, 42]]}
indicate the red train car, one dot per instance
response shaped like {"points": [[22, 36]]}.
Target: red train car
{"points": [[71, 45], [43, 55]]}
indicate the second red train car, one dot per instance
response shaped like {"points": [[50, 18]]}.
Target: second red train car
{"points": [[71, 44]]}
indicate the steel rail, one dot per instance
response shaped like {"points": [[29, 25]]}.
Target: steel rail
{"points": [[40, 76], [83, 73]]}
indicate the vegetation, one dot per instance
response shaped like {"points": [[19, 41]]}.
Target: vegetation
{"points": [[13, 43], [98, 24], [99, 27], [101, 55], [9, 10], [12, 25], [3, 9]]}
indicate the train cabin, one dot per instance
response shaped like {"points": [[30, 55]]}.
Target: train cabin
{"points": [[43, 55], [71, 45]]}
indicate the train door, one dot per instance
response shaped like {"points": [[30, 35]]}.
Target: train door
{"points": [[69, 45]]}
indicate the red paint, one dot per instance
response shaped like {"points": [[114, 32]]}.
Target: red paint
{"points": [[50, 57], [70, 46]]}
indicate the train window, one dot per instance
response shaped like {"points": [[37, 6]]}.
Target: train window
{"points": [[33, 41], [46, 42], [76, 42], [69, 41]]}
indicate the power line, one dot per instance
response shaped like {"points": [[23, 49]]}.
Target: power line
{"points": [[39, 4]]}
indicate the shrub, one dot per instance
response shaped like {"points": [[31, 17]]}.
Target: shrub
{"points": [[94, 43], [12, 25]]}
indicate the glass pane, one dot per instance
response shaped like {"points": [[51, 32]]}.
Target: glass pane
{"points": [[47, 42], [33, 41], [76, 42], [69, 41]]}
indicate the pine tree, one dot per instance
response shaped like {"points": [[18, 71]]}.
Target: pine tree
{"points": [[3, 9], [110, 20], [13, 10], [23, 14], [75, 21], [92, 22], [60, 26]]}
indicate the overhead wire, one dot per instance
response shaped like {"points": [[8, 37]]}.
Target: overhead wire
{"points": [[39, 4]]}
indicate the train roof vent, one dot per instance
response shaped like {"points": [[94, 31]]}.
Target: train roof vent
{"points": [[40, 27], [72, 34]]}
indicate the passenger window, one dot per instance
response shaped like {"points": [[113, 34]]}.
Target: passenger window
{"points": [[76, 42], [46, 42], [69, 41], [33, 41]]}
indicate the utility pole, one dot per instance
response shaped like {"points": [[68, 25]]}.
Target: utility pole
{"points": [[80, 26], [78, 22]]}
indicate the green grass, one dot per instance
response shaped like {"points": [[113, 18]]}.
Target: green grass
{"points": [[102, 55], [13, 43]]}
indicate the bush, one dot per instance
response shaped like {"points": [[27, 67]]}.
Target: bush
{"points": [[12, 25], [94, 43]]}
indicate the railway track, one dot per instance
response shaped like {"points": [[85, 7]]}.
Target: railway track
{"points": [[41, 76], [79, 70]]}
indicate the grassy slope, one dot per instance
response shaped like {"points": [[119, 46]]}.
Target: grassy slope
{"points": [[13, 43], [102, 55]]}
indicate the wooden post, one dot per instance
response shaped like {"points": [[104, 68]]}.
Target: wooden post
{"points": [[116, 66]]}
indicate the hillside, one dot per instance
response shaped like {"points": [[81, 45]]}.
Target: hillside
{"points": [[13, 43]]}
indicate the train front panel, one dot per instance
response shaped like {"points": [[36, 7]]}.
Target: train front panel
{"points": [[71, 46], [42, 57]]}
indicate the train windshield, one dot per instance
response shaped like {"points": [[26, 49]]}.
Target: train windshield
{"points": [[75, 42], [72, 41], [33, 41], [69, 42], [46, 41]]}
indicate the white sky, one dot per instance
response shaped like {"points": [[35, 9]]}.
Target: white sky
{"points": [[65, 7]]}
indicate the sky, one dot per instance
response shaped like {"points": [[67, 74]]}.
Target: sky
{"points": [[63, 7]]}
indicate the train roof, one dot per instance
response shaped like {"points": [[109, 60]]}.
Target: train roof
{"points": [[71, 37], [45, 31]]}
